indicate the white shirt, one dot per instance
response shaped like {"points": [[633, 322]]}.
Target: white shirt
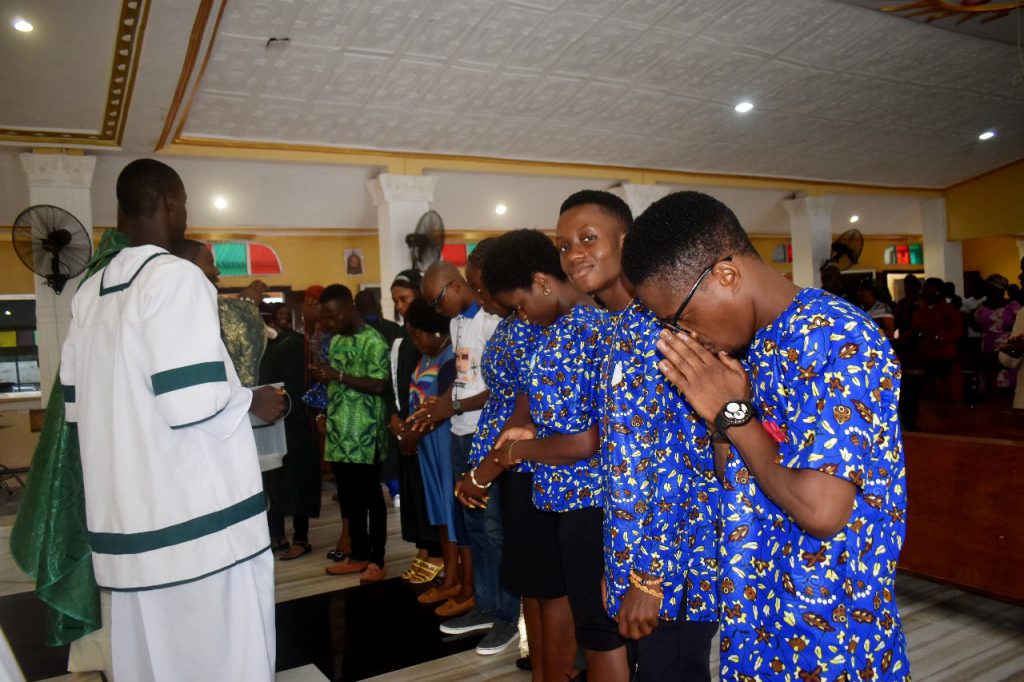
{"points": [[470, 332], [172, 484]]}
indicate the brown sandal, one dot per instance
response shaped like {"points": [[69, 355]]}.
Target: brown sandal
{"points": [[296, 550]]}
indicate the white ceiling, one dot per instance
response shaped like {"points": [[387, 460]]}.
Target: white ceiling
{"points": [[65, 48], [842, 92]]}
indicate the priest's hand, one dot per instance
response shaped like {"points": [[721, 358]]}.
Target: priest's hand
{"points": [[268, 403]]}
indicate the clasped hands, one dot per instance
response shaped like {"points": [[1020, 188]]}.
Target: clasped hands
{"points": [[323, 372], [707, 380], [474, 496]]}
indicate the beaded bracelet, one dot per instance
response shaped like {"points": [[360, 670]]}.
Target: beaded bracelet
{"points": [[478, 484], [651, 586]]}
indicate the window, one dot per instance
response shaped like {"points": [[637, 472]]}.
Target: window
{"points": [[19, 352]]}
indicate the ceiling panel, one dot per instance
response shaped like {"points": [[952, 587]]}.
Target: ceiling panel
{"points": [[841, 92]]}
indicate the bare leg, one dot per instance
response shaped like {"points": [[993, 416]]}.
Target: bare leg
{"points": [[559, 639], [450, 554], [607, 666], [534, 637], [466, 576]]}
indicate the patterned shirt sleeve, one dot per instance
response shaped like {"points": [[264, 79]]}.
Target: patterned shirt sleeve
{"points": [[840, 373]]}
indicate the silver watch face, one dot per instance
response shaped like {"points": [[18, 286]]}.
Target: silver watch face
{"points": [[736, 411]]}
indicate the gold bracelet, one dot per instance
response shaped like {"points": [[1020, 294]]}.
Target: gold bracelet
{"points": [[511, 462], [647, 590]]}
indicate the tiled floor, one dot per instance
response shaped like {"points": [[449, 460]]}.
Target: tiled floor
{"points": [[332, 628]]}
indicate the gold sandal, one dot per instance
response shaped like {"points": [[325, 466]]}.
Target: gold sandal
{"points": [[425, 572], [413, 569]]}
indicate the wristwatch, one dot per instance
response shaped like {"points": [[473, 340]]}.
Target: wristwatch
{"points": [[456, 406], [733, 413]]}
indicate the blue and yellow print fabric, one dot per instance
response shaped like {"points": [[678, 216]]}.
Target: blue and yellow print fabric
{"points": [[505, 367], [826, 382], [562, 386], [661, 502]]}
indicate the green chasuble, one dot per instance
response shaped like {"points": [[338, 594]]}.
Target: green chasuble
{"points": [[49, 540]]}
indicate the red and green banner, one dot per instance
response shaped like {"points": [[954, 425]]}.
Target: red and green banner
{"points": [[245, 258]]}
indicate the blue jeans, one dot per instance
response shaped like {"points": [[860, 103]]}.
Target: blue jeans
{"points": [[483, 526]]}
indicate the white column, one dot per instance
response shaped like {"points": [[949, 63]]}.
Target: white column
{"points": [[400, 200], [942, 258], [810, 228], [640, 197], [66, 182]]}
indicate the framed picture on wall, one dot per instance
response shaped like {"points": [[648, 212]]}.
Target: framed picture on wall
{"points": [[353, 261]]}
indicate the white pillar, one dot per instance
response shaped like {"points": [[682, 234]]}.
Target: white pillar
{"points": [[400, 200], [66, 182], [640, 197], [810, 227], [942, 258]]}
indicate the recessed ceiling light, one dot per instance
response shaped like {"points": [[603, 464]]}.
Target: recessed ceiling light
{"points": [[854, 218], [501, 209], [220, 202], [987, 135], [22, 25], [7, 313], [744, 107]]}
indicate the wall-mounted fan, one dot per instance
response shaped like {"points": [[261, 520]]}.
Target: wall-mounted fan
{"points": [[846, 250], [51, 243], [426, 242]]}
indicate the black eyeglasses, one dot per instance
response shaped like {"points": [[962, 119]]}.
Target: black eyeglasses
{"points": [[437, 301], [673, 323]]}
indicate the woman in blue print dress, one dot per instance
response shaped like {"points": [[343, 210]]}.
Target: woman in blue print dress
{"points": [[434, 373], [555, 426]]}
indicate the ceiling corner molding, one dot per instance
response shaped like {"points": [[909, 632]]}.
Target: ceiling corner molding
{"points": [[131, 27], [197, 56]]}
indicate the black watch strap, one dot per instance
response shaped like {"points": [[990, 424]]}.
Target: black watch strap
{"points": [[733, 413]]}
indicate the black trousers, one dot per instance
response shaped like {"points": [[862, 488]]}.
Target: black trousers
{"points": [[300, 524], [676, 650], [360, 496]]}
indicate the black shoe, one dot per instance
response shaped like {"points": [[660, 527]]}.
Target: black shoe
{"points": [[524, 663]]}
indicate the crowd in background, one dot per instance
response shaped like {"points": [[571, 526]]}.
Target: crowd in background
{"points": [[952, 348]]}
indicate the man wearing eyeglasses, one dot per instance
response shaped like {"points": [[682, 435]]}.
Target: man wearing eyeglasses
{"points": [[801, 391], [471, 326]]}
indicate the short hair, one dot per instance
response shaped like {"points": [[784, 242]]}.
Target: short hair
{"points": [[366, 302], [336, 292], [518, 256], [408, 279], [187, 249], [934, 282], [608, 202], [143, 184], [476, 259], [422, 316], [681, 235]]}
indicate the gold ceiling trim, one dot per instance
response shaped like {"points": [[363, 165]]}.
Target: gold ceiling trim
{"points": [[131, 27], [416, 163], [190, 78], [940, 9]]}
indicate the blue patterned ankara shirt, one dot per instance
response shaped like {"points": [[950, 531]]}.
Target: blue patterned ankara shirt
{"points": [[563, 378], [505, 367], [661, 494], [826, 386]]}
